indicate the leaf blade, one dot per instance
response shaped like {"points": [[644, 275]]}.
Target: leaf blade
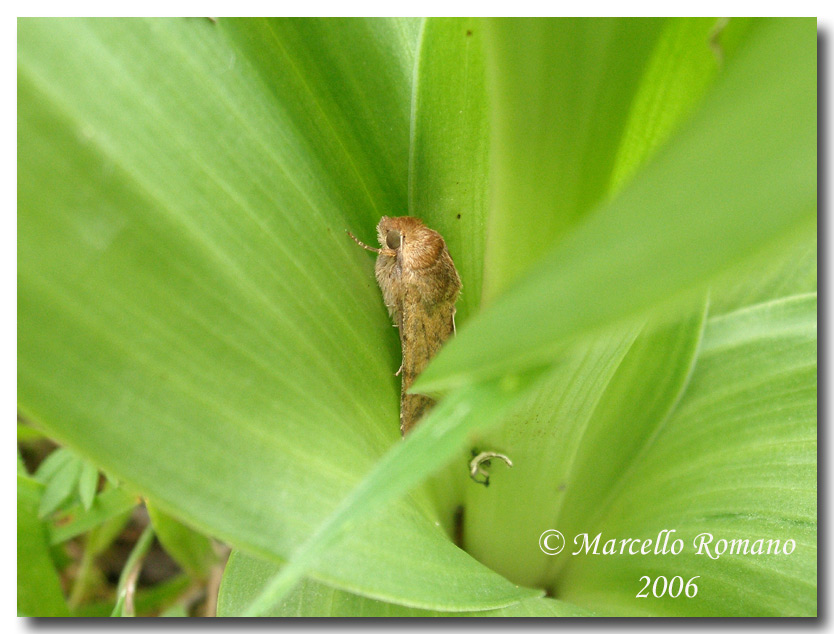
{"points": [[759, 196], [747, 427], [38, 587], [175, 309], [245, 575]]}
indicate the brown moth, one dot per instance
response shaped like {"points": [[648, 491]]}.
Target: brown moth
{"points": [[420, 286]]}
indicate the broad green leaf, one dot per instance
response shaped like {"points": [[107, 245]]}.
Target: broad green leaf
{"points": [[793, 272], [560, 91], [571, 441], [427, 448], [735, 184], [191, 550], [737, 460], [345, 86], [541, 435], [685, 61], [448, 179], [192, 316], [637, 401], [245, 576], [38, 588]]}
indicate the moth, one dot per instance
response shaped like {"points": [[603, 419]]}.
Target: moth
{"points": [[420, 286]]}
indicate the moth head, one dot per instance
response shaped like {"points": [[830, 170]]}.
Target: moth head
{"points": [[393, 232], [407, 239]]}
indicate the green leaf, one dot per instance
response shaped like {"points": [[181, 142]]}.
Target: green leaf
{"points": [[737, 460], [61, 482], [676, 227], [88, 484], [560, 92], [192, 315], [348, 120], [683, 65], [572, 439], [541, 435], [77, 519], [53, 464], [38, 587], [191, 550], [427, 448], [636, 403], [791, 273], [245, 576], [449, 163]]}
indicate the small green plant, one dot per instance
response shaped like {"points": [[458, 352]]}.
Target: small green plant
{"points": [[631, 206]]}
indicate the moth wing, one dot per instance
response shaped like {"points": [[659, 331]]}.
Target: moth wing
{"points": [[424, 328]]}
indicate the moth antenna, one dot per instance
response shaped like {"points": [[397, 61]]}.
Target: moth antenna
{"points": [[362, 244]]}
